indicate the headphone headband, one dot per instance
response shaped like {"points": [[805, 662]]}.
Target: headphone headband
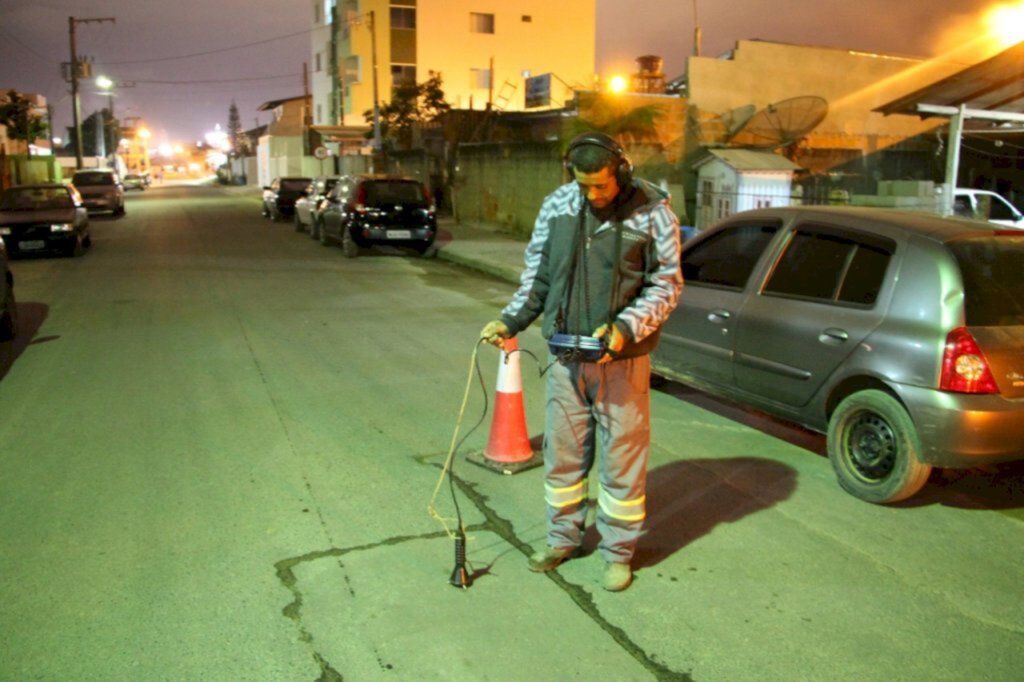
{"points": [[623, 166]]}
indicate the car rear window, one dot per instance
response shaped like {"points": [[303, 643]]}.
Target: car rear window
{"points": [[827, 265], [294, 185], [35, 198], [728, 257], [394, 192], [992, 268], [93, 179]]}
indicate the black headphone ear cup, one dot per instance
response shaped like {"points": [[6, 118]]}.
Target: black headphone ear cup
{"points": [[624, 172]]}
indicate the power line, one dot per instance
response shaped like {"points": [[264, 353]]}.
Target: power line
{"points": [[209, 52], [225, 80]]}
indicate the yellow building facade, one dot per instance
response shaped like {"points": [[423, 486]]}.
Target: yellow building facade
{"points": [[483, 49]]}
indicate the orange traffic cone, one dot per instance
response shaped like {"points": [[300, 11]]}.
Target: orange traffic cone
{"points": [[508, 447]]}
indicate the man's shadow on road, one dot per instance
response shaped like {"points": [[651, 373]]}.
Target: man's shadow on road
{"points": [[688, 499], [30, 320]]}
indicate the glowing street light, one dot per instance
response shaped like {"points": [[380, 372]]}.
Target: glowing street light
{"points": [[617, 84], [1005, 23]]}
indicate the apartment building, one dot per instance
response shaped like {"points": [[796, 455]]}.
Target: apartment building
{"points": [[483, 49]]}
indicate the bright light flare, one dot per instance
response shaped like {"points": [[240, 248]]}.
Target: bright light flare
{"points": [[1005, 23], [166, 149], [104, 83], [617, 84]]}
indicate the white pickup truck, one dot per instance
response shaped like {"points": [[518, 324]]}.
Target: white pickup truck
{"points": [[984, 205]]}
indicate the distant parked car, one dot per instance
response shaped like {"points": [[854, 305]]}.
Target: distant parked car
{"points": [[44, 218], [8, 307], [900, 335], [363, 210], [135, 181], [307, 207], [279, 196], [101, 190]]}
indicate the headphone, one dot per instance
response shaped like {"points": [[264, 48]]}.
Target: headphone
{"points": [[623, 167]]}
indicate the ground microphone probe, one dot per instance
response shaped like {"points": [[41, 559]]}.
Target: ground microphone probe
{"points": [[564, 347]]}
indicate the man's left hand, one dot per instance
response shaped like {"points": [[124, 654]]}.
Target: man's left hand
{"points": [[614, 341]]}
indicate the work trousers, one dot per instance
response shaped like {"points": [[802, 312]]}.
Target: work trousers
{"points": [[590, 404]]}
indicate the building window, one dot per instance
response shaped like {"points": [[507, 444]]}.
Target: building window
{"points": [[353, 70], [480, 78], [316, 12], [319, 114], [403, 17], [316, 60], [481, 23], [402, 73]]}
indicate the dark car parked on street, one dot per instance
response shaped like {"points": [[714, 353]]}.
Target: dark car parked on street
{"points": [[101, 190], [900, 335], [308, 206], [44, 218], [8, 307], [363, 210], [279, 196]]}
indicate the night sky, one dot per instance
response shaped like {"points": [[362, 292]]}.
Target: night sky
{"points": [[188, 59]]}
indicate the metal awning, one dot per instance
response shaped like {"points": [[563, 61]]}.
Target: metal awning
{"points": [[995, 85], [990, 93]]}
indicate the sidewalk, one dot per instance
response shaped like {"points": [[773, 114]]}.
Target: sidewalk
{"points": [[486, 248]]}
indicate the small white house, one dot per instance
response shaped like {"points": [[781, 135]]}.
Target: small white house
{"points": [[734, 180]]}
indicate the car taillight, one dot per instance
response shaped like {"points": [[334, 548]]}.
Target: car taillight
{"points": [[359, 202], [964, 367], [426, 197]]}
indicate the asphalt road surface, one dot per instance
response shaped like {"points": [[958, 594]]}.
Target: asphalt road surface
{"points": [[219, 439]]}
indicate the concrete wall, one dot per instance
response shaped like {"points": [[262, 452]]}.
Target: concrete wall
{"points": [[504, 184]]}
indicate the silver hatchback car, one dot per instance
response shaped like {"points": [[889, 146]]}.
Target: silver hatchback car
{"points": [[900, 335]]}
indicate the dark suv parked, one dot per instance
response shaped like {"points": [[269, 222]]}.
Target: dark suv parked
{"points": [[375, 209], [900, 335], [280, 196]]}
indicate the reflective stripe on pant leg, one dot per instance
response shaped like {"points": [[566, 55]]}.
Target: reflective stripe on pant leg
{"points": [[622, 404], [568, 456]]}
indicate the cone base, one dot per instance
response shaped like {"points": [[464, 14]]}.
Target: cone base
{"points": [[506, 468]]}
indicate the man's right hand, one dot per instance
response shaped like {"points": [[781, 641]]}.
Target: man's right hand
{"points": [[495, 333]]}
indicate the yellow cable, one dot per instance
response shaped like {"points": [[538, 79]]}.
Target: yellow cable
{"points": [[451, 450]]}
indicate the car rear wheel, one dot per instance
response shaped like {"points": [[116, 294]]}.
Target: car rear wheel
{"points": [[348, 243], [874, 448], [299, 227], [9, 318]]}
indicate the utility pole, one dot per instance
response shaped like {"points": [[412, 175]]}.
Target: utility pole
{"points": [[376, 99], [696, 31], [76, 109]]}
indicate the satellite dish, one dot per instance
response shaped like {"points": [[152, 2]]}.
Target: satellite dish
{"points": [[715, 129], [782, 123]]}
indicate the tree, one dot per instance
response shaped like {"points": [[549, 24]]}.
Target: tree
{"points": [[234, 129], [22, 120], [411, 104], [96, 120]]}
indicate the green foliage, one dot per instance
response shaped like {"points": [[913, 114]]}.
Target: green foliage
{"points": [[22, 121], [411, 104], [637, 124]]}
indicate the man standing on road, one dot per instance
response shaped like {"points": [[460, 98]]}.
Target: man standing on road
{"points": [[603, 261]]}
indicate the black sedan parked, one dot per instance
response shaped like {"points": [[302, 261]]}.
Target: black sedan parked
{"points": [[279, 197], [363, 210], [8, 308], [45, 218]]}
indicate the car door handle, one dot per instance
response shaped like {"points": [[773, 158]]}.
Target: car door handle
{"points": [[718, 316], [833, 336]]}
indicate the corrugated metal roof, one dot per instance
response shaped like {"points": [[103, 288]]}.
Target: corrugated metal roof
{"points": [[996, 84], [750, 160]]}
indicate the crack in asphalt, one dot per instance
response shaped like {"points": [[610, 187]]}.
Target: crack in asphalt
{"points": [[501, 527]]}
